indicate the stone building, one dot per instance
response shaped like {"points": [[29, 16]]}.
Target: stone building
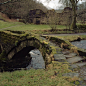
{"points": [[37, 16], [65, 16]]}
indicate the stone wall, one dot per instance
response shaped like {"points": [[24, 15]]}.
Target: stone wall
{"points": [[13, 43], [37, 16]]}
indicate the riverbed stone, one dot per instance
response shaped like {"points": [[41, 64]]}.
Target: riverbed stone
{"points": [[74, 59], [58, 57], [80, 44]]}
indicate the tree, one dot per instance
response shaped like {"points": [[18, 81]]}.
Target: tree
{"points": [[52, 19], [81, 12], [74, 8], [19, 8], [73, 4]]}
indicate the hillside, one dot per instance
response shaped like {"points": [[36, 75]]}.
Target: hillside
{"points": [[20, 8]]}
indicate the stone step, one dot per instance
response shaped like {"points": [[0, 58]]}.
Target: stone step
{"points": [[75, 59], [78, 64], [58, 57], [71, 74], [66, 52], [70, 55]]}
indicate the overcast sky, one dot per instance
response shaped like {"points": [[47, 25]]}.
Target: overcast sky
{"points": [[53, 4]]}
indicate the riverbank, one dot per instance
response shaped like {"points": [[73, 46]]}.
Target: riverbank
{"points": [[40, 77], [69, 37], [51, 76]]}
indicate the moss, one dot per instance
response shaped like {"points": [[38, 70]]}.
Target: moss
{"points": [[53, 49], [81, 27], [3, 56], [16, 42]]}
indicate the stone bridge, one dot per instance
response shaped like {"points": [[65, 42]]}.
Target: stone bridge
{"points": [[15, 45]]}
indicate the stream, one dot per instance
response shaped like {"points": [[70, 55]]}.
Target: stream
{"points": [[37, 61], [80, 44]]}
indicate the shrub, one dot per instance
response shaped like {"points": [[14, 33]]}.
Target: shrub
{"points": [[81, 27]]}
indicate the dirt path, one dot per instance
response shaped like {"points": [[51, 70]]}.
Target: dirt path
{"points": [[64, 34], [9, 27]]}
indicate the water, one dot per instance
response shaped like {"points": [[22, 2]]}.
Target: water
{"points": [[37, 61], [80, 44]]}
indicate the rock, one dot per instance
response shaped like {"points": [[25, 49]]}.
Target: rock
{"points": [[74, 59], [71, 74], [58, 57], [84, 78], [66, 52], [79, 83], [83, 72], [70, 55], [78, 64]]}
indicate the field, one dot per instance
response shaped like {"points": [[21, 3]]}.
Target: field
{"points": [[38, 29], [39, 77], [22, 27], [51, 76]]}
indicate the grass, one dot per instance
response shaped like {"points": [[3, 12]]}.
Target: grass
{"points": [[39, 77], [38, 29], [8, 24], [72, 37], [34, 27], [23, 27]]}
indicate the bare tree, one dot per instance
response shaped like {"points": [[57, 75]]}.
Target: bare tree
{"points": [[52, 19], [73, 4], [81, 13], [68, 21]]}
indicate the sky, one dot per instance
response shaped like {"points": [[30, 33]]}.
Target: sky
{"points": [[53, 4]]}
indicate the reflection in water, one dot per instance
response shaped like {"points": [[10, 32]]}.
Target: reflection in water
{"points": [[80, 44], [37, 61]]}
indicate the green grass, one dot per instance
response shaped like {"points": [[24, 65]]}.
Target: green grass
{"points": [[8, 24], [72, 37], [34, 27], [39, 77], [23, 27]]}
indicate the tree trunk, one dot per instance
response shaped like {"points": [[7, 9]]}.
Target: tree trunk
{"points": [[73, 24]]}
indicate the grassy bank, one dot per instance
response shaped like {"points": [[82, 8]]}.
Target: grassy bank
{"points": [[73, 37], [8, 24], [52, 76]]}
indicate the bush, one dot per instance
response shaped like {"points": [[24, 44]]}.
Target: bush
{"points": [[81, 27]]}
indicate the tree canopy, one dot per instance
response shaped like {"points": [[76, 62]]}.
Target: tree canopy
{"points": [[73, 4], [19, 8]]}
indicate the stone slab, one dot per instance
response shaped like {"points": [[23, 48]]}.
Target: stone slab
{"points": [[78, 64], [59, 57], [71, 74], [70, 55], [66, 52], [74, 59]]}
